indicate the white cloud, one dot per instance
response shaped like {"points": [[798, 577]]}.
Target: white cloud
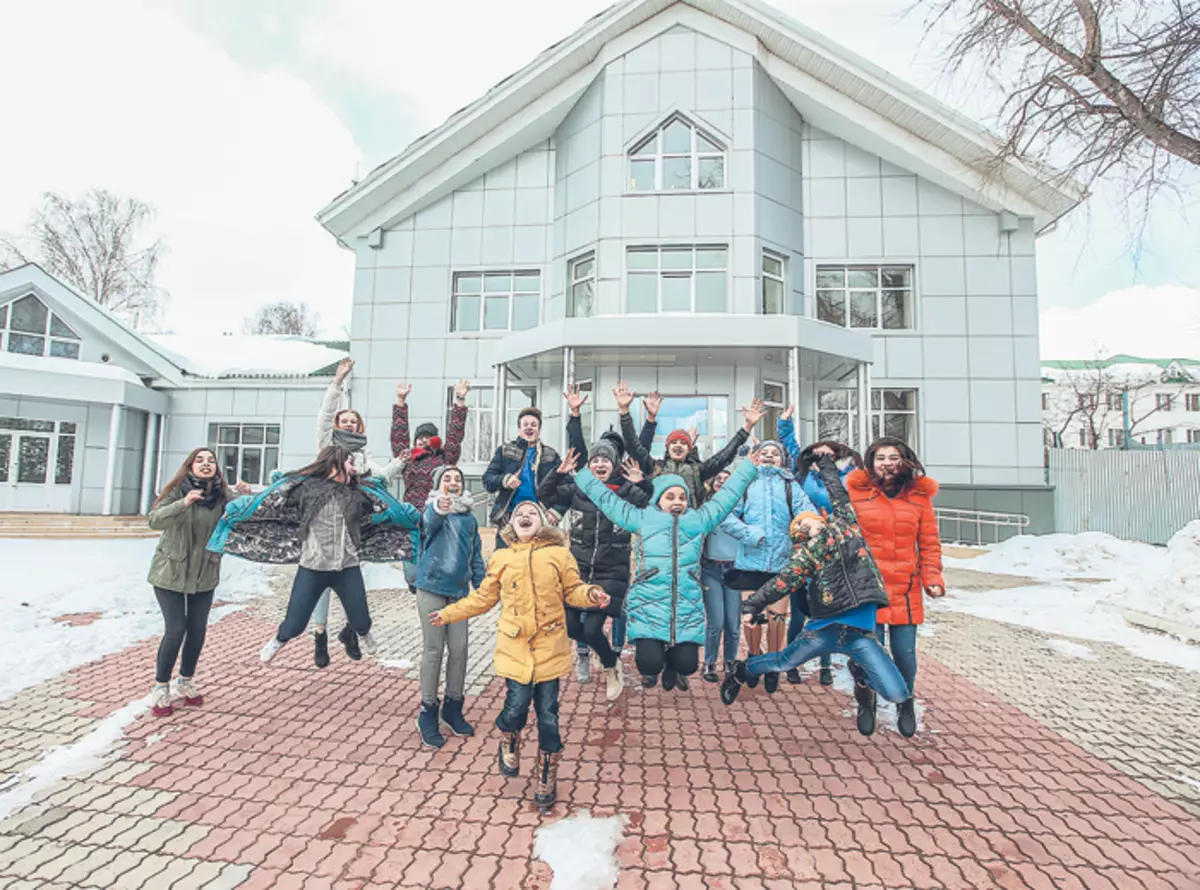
{"points": [[121, 95], [1151, 322]]}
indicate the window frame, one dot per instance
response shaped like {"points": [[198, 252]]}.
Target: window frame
{"points": [[878, 416], [775, 408], [482, 295], [694, 155], [62, 441], [1192, 401], [48, 338], [485, 446], [1164, 401], [241, 447], [1193, 437], [662, 273], [847, 290], [781, 278], [574, 281]]}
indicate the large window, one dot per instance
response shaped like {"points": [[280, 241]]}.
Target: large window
{"points": [[26, 447], [479, 439], [775, 398], [29, 328], [708, 416], [879, 297], [676, 279], [496, 301], [246, 451], [893, 413], [774, 285], [1164, 401], [1193, 402], [677, 157], [581, 296], [1194, 437]]}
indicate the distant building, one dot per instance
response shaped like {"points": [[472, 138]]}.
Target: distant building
{"points": [[1095, 404]]}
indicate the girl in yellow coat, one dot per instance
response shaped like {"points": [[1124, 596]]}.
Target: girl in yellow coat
{"points": [[532, 579]]}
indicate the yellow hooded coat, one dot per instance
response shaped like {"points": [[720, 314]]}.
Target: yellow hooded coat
{"points": [[532, 580]]}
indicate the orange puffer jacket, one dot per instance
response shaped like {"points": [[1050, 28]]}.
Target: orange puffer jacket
{"points": [[902, 533]]}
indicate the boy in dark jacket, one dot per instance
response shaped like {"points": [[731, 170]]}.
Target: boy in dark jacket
{"points": [[842, 603], [518, 468]]}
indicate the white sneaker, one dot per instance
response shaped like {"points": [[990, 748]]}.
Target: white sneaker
{"points": [[369, 643], [185, 688], [614, 683], [269, 650], [160, 700]]}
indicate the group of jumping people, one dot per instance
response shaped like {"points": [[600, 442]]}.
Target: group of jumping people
{"points": [[812, 550]]}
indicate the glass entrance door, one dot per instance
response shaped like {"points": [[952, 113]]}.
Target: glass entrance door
{"points": [[37, 464]]}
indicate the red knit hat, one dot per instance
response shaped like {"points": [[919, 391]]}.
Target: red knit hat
{"points": [[679, 436]]}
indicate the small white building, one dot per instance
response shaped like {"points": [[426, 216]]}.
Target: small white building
{"points": [[94, 416], [1093, 403]]}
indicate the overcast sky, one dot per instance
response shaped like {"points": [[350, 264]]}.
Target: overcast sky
{"points": [[239, 120]]}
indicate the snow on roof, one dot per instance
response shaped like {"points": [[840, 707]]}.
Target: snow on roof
{"points": [[248, 355], [67, 367], [1123, 366]]}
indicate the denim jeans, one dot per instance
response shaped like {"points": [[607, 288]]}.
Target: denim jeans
{"points": [[515, 713], [861, 646], [902, 645], [796, 622], [306, 591], [722, 612], [618, 633]]}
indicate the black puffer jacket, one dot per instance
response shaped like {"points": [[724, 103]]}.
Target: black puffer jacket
{"points": [[837, 562], [601, 548]]}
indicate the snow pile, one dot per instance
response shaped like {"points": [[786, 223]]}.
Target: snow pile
{"points": [[214, 355], [1168, 585], [1071, 650], [1093, 555], [384, 576], [581, 850], [45, 579], [88, 753]]}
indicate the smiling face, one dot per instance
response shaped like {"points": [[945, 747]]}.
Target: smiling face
{"points": [[719, 480], [422, 442], [601, 468], [770, 456], [888, 461], [527, 520], [678, 449], [348, 421], [451, 482], [204, 464], [529, 428], [811, 527], [674, 501]]}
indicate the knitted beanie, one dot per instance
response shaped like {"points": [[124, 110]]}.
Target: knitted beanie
{"points": [[679, 436], [604, 448]]}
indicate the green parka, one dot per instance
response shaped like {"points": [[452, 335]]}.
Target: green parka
{"points": [[181, 562]]}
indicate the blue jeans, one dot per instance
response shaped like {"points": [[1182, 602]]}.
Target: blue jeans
{"points": [[722, 612], [859, 645], [902, 644], [515, 713], [618, 633], [796, 621]]}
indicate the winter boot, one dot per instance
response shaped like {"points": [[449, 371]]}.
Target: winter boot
{"points": [[321, 649], [771, 682], [614, 682], [161, 700], [865, 696], [349, 640], [545, 791], [732, 685], [510, 753], [370, 644], [670, 679], [793, 676], [649, 681], [730, 667], [826, 675], [710, 673], [681, 682], [452, 716], [427, 725], [186, 688], [583, 670], [906, 718], [270, 650]]}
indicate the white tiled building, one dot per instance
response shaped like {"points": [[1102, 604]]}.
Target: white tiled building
{"points": [[711, 200]]}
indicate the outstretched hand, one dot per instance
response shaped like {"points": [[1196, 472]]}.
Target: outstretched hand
{"points": [[435, 619], [570, 462], [575, 399], [402, 391], [653, 402], [936, 591], [624, 396], [754, 413], [460, 390], [345, 366], [787, 414], [632, 471]]}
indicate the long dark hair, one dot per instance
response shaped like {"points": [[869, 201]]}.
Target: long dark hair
{"points": [[331, 457], [841, 451], [910, 473], [217, 483]]}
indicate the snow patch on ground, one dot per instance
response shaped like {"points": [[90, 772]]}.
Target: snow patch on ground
{"points": [[397, 664], [885, 711], [1071, 650], [384, 576], [88, 753], [1162, 685], [1195, 783], [44, 579], [581, 850], [1061, 557]]}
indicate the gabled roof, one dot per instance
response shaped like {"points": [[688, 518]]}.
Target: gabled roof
{"points": [[32, 278], [240, 356], [835, 89]]}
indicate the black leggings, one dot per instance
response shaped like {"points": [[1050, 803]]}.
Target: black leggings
{"points": [[653, 656], [307, 589], [589, 627], [186, 618]]}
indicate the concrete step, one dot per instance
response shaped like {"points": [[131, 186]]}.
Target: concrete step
{"points": [[68, 526], [71, 534]]}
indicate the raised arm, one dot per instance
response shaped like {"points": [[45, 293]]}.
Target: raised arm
{"points": [[555, 492], [721, 504], [458, 423], [725, 456], [575, 402], [785, 432], [839, 498], [433, 519], [633, 444], [329, 407], [400, 439], [618, 511]]}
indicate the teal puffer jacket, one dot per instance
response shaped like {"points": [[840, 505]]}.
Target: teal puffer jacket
{"points": [[765, 516], [666, 600]]}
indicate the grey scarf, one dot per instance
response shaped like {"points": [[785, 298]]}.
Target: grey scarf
{"points": [[352, 442]]}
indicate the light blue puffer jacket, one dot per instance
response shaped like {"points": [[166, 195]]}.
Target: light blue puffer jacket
{"points": [[767, 546], [666, 599]]}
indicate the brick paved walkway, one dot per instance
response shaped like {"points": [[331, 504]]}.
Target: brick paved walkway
{"points": [[292, 777]]}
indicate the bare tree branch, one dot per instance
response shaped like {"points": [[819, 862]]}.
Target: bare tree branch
{"points": [[296, 319]]}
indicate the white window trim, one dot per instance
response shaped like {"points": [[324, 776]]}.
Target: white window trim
{"points": [[810, 280], [572, 282], [241, 446], [56, 437], [455, 274], [768, 253], [656, 130], [49, 339], [660, 273], [875, 414]]}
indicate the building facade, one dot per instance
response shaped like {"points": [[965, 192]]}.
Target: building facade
{"points": [[712, 201]]}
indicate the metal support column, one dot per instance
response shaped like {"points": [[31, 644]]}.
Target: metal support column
{"points": [[147, 490], [863, 381], [793, 395], [568, 380], [110, 469], [158, 453], [501, 403]]}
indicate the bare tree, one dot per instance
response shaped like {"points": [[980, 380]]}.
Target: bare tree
{"points": [[283, 318], [1091, 86], [96, 243]]}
